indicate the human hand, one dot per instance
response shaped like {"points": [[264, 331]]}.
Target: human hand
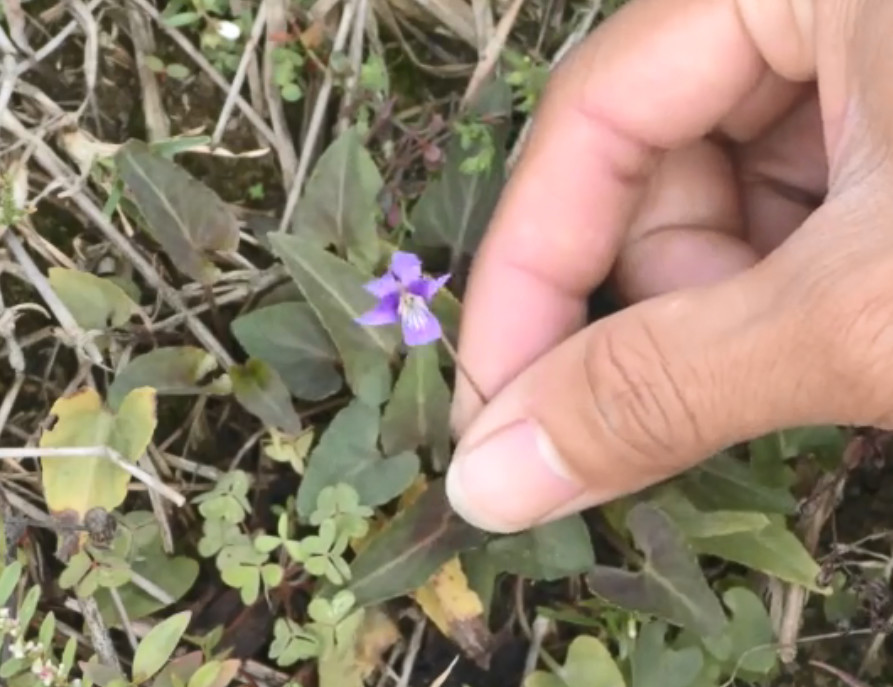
{"points": [[727, 164]]}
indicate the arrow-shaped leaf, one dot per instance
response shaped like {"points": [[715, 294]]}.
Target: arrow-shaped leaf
{"points": [[419, 410], [334, 289], [186, 217], [411, 548], [670, 584], [340, 202]]}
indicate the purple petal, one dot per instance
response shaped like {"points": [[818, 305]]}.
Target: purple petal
{"points": [[422, 329], [426, 287], [406, 267], [383, 313], [383, 286]]}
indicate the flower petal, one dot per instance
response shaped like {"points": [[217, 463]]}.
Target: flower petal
{"points": [[406, 267], [426, 287], [421, 330], [382, 286], [383, 313]]}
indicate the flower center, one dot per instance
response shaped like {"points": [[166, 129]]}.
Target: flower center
{"points": [[413, 310]]}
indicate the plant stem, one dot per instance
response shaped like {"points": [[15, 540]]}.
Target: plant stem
{"points": [[461, 367]]}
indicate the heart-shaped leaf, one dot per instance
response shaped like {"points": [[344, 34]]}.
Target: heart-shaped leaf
{"points": [[588, 664], [747, 648], [347, 453], [186, 217], [340, 203], [78, 483], [290, 338], [415, 544], [419, 410], [334, 289], [670, 584], [654, 664]]}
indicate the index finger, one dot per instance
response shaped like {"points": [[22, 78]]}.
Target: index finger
{"points": [[656, 75]]}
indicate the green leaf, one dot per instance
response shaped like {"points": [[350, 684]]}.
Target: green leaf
{"points": [[418, 413], [291, 92], [334, 289], [175, 575], [698, 524], [158, 646], [177, 71], [670, 584], [768, 453], [261, 392], [187, 218], [548, 552], [340, 203], [347, 453], [245, 578], [182, 19], [94, 302], [9, 579], [290, 338], [455, 208], [418, 541], [79, 484], [747, 649], [774, 550], [723, 483], [654, 664], [588, 664], [173, 371]]}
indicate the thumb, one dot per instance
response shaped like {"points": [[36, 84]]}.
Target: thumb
{"points": [[642, 395]]}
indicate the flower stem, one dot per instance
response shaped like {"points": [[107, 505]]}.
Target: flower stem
{"points": [[461, 367]]}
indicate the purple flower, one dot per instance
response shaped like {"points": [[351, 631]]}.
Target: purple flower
{"points": [[403, 296]]}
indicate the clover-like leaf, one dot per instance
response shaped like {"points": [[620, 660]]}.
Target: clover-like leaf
{"points": [[670, 584], [292, 643], [80, 483], [347, 453]]}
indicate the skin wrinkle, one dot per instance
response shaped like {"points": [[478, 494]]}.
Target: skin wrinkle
{"points": [[795, 339]]}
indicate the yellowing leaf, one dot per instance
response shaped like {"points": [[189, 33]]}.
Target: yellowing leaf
{"points": [[81, 483], [456, 610], [94, 302], [376, 635]]}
